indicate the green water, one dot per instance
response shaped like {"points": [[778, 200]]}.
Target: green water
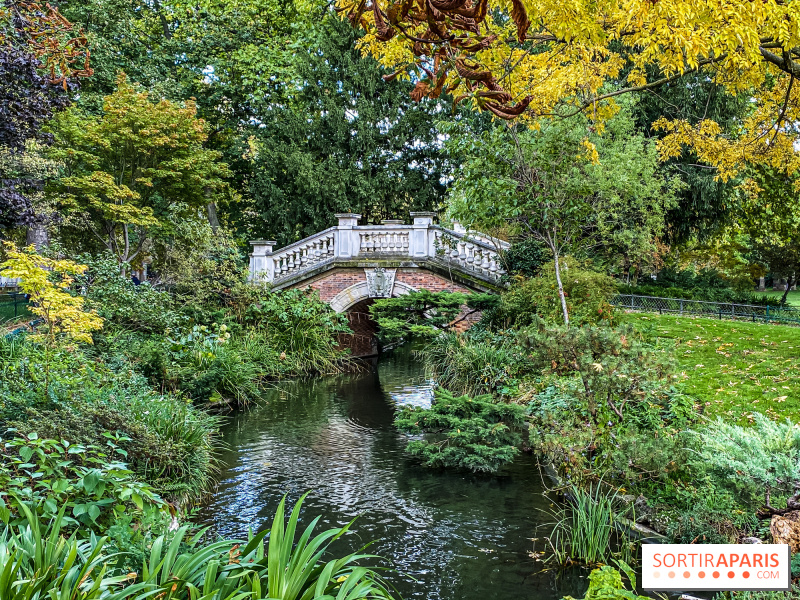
{"points": [[448, 536]]}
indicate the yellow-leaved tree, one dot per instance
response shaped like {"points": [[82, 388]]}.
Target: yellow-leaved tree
{"points": [[47, 282], [532, 58]]}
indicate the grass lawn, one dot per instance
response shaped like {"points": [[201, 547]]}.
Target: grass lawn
{"points": [[793, 299], [733, 368]]}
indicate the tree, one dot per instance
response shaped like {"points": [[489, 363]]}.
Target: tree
{"points": [[567, 191], [47, 281], [41, 58], [770, 217], [347, 141], [425, 313], [130, 168], [705, 205], [545, 57]]}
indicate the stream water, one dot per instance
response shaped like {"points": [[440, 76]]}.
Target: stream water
{"points": [[448, 536]]}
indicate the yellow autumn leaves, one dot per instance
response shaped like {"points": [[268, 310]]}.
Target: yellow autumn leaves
{"points": [[579, 55], [47, 282]]}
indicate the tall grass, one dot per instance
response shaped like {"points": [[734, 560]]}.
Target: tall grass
{"points": [[584, 530], [470, 367]]}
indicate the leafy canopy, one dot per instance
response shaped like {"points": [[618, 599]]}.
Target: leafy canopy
{"points": [[424, 313], [130, 168], [347, 141], [546, 57]]}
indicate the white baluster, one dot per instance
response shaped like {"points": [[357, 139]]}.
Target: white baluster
{"points": [[485, 263]]}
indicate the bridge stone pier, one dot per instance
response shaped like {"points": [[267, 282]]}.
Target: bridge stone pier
{"points": [[351, 265]]}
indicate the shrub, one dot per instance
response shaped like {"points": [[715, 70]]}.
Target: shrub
{"points": [[469, 433], [474, 365], [207, 367], [611, 372], [168, 442], [424, 313], [758, 463], [588, 296], [703, 294], [91, 484], [300, 327], [526, 258], [121, 302]]}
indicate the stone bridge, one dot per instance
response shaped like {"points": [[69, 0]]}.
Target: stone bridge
{"points": [[351, 265]]}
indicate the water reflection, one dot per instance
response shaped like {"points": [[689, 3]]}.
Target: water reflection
{"points": [[453, 536]]}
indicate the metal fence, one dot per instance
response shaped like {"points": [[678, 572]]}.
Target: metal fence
{"points": [[12, 306], [721, 310]]}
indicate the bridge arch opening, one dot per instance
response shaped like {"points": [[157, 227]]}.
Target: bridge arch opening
{"points": [[363, 342], [354, 302]]}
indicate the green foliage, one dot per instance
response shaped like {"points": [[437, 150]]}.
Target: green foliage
{"points": [[119, 301], [89, 482], [706, 513], [475, 364], [605, 583], [424, 313], [348, 141], [588, 296], [299, 324], [468, 433], [205, 365], [525, 258], [38, 561], [166, 441], [202, 268], [129, 168], [758, 463], [610, 372], [583, 530], [570, 192]]}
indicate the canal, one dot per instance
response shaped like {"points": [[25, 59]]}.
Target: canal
{"points": [[447, 536]]}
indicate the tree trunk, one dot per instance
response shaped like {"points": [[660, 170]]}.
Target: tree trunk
{"points": [[789, 284], [213, 218], [37, 236], [561, 289], [761, 284]]}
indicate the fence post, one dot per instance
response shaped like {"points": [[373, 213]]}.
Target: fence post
{"points": [[767, 317], [631, 301], [681, 305]]}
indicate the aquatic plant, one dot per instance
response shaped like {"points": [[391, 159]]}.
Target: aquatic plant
{"points": [[38, 562], [583, 530]]}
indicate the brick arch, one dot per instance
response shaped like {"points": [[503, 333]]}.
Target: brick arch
{"points": [[359, 292]]}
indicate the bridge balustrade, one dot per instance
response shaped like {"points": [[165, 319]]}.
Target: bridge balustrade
{"points": [[466, 251]]}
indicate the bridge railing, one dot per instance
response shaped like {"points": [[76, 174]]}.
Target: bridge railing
{"points": [[422, 240]]}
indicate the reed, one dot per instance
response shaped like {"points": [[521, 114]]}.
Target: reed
{"points": [[583, 531]]}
